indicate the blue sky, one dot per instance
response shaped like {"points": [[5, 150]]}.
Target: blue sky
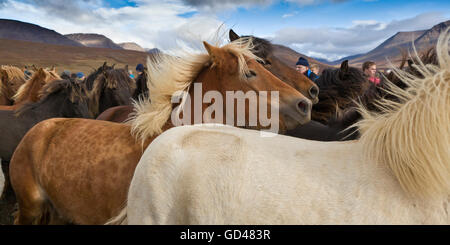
{"points": [[327, 29]]}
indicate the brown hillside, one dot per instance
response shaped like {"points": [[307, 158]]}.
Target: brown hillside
{"points": [[290, 57], [74, 59]]}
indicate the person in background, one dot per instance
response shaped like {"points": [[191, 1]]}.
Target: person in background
{"points": [[28, 74], [315, 68], [130, 73], [80, 76], [139, 69], [370, 71], [302, 66]]}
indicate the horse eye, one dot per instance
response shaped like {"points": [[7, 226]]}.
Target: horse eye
{"points": [[250, 74]]}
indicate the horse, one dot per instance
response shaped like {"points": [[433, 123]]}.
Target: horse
{"points": [[264, 50], [339, 88], [11, 78], [121, 113], [60, 98], [398, 172], [83, 175], [89, 82], [111, 87], [30, 91]]}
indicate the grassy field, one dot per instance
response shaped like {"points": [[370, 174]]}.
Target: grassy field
{"points": [[74, 59]]}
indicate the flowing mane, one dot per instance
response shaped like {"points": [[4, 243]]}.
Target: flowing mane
{"points": [[412, 134], [168, 75], [25, 91], [112, 79], [13, 73]]}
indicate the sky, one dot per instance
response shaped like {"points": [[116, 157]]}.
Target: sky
{"points": [[327, 29]]}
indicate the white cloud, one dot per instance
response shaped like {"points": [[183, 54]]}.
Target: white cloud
{"points": [[151, 24], [361, 37]]}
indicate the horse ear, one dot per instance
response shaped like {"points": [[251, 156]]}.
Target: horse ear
{"points": [[233, 35], [344, 66], [113, 66], [410, 63], [214, 53], [126, 68], [104, 66]]}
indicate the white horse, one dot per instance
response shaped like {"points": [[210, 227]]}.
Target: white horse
{"points": [[397, 173]]}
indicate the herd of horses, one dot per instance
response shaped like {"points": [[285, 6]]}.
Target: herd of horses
{"points": [[105, 150]]}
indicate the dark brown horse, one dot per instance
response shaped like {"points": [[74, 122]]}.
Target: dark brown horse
{"points": [[339, 88], [81, 169], [60, 98], [111, 87], [31, 90], [11, 78]]}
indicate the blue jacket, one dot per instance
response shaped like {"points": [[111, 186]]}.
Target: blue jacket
{"points": [[311, 75]]}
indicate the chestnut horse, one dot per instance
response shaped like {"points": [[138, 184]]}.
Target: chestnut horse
{"points": [[263, 49], [79, 171], [60, 98], [11, 78], [30, 91]]}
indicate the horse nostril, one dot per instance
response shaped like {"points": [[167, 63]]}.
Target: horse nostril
{"points": [[314, 91], [304, 106]]}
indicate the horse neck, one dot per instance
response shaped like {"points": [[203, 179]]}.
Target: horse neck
{"points": [[49, 108]]}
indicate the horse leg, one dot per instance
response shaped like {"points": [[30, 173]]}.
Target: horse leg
{"points": [[32, 206], [31, 200], [8, 193]]}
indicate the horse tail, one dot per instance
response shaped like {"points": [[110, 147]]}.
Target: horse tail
{"points": [[120, 219]]}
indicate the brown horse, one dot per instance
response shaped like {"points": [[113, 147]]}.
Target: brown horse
{"points": [[117, 114], [264, 50], [60, 98], [11, 78], [31, 90], [80, 170], [111, 87]]}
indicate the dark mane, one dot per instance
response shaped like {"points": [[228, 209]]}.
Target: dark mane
{"points": [[69, 88], [114, 79], [262, 47], [338, 89], [91, 77]]}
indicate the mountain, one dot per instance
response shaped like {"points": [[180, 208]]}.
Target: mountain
{"points": [[17, 30], [132, 46], [290, 57], [93, 40], [74, 59], [392, 47]]}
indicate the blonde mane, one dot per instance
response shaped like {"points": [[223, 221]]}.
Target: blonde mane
{"points": [[169, 75], [13, 73], [412, 136], [24, 91]]}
